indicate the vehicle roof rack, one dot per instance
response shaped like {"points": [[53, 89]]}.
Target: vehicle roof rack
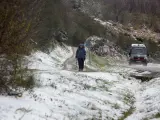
{"points": [[138, 45]]}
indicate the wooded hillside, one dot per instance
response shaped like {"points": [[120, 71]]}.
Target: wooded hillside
{"points": [[136, 12]]}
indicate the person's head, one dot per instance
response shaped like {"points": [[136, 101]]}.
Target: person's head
{"points": [[81, 46]]}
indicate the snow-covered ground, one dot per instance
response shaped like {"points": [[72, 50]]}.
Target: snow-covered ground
{"points": [[147, 101], [69, 95]]}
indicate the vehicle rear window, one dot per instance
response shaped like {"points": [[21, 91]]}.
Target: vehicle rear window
{"points": [[139, 50]]}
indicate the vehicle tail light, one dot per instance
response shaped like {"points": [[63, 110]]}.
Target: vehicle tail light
{"points": [[138, 58], [135, 58]]}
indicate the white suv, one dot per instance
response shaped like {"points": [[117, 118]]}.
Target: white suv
{"points": [[138, 54]]}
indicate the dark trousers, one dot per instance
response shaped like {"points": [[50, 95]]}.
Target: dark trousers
{"points": [[81, 63]]}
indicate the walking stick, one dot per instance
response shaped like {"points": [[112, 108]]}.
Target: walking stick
{"points": [[76, 63]]}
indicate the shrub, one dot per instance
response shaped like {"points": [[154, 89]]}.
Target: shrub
{"points": [[27, 82]]}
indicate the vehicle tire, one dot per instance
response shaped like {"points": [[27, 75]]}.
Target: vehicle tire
{"points": [[145, 63], [130, 63]]}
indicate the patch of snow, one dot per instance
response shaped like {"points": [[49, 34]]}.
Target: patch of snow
{"points": [[148, 101], [104, 23], [42, 61]]}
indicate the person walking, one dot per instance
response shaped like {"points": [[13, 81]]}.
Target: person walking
{"points": [[81, 56]]}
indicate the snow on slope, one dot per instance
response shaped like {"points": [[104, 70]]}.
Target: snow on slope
{"points": [[67, 95], [148, 101], [55, 60]]}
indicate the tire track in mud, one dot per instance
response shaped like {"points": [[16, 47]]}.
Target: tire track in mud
{"points": [[151, 67]]}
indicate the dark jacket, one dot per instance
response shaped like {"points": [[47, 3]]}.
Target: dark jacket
{"points": [[81, 53]]}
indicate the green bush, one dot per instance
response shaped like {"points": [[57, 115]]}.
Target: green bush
{"points": [[13, 74], [157, 115], [27, 82]]}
